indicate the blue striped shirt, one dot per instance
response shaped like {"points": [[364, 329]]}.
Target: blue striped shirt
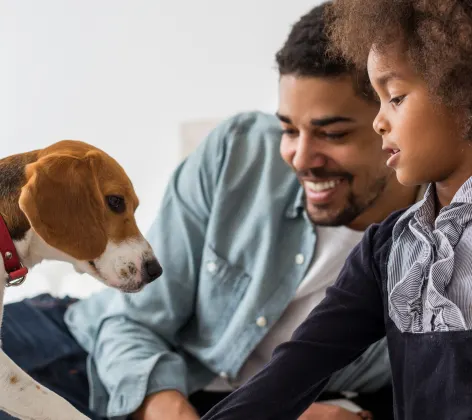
{"points": [[429, 280]]}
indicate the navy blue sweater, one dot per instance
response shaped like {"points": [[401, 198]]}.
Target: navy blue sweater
{"points": [[432, 372]]}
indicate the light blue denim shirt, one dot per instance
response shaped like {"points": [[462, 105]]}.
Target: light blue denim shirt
{"points": [[230, 225]]}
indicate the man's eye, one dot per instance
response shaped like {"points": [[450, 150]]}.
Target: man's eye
{"points": [[335, 135], [289, 132]]}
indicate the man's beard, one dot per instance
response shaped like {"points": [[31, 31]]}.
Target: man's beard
{"points": [[355, 206]]}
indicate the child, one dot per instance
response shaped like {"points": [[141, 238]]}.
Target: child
{"points": [[411, 276]]}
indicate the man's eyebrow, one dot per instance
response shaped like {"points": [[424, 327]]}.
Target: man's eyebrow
{"points": [[322, 122], [283, 118], [318, 122]]}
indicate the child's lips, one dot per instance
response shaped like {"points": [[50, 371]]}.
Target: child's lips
{"points": [[392, 151], [394, 157]]}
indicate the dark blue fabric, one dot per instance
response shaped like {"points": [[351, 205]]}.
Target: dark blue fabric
{"points": [[35, 337]]}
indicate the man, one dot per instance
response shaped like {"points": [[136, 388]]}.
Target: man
{"points": [[253, 227]]}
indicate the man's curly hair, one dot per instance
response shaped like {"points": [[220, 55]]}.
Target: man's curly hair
{"points": [[436, 36], [305, 53]]}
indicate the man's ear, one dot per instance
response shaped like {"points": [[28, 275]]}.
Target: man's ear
{"points": [[64, 205]]}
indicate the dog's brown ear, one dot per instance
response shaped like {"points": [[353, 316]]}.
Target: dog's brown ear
{"points": [[63, 204]]}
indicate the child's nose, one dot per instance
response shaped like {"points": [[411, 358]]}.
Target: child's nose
{"points": [[381, 125]]}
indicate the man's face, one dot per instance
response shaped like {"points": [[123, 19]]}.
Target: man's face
{"points": [[329, 141]]}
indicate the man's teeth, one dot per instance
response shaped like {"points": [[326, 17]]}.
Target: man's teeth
{"points": [[321, 186]]}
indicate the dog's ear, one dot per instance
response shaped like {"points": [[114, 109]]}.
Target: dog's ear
{"points": [[64, 205]]}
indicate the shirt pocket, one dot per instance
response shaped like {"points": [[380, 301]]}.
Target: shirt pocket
{"points": [[220, 291]]}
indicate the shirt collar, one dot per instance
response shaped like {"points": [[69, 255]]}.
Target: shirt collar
{"points": [[464, 194], [426, 212]]}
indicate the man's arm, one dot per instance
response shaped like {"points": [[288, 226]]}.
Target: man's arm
{"points": [[345, 323], [131, 336]]}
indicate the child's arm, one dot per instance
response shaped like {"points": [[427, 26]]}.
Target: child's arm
{"points": [[345, 323]]}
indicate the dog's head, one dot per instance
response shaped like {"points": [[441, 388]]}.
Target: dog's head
{"points": [[80, 202]]}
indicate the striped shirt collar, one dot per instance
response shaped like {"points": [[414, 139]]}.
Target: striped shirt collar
{"points": [[425, 215]]}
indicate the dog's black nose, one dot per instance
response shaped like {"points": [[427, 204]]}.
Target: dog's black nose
{"points": [[151, 270]]}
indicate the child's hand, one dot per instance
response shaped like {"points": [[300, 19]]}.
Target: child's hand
{"points": [[319, 411]]}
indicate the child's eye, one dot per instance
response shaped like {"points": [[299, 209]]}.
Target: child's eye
{"points": [[397, 100]]}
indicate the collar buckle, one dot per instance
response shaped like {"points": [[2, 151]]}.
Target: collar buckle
{"points": [[17, 277], [14, 269]]}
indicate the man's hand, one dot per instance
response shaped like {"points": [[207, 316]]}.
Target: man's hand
{"points": [[169, 405], [319, 411]]}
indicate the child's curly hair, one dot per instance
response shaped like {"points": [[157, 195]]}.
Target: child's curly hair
{"points": [[436, 34]]}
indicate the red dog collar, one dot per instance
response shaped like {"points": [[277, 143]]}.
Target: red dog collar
{"points": [[15, 271]]}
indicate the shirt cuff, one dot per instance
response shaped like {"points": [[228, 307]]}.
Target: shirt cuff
{"points": [[164, 371]]}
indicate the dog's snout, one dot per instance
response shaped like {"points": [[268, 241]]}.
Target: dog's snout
{"points": [[151, 270]]}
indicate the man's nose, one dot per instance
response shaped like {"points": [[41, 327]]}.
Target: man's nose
{"points": [[307, 155]]}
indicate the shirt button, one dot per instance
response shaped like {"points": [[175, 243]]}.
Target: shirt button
{"points": [[261, 321], [223, 375], [299, 259], [211, 266]]}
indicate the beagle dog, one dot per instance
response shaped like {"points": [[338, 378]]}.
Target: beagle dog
{"points": [[69, 202]]}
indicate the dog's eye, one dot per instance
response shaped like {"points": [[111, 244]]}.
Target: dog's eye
{"points": [[116, 203]]}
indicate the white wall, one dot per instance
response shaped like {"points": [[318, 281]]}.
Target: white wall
{"points": [[123, 74]]}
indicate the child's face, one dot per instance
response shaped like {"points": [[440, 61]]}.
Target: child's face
{"points": [[422, 136]]}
